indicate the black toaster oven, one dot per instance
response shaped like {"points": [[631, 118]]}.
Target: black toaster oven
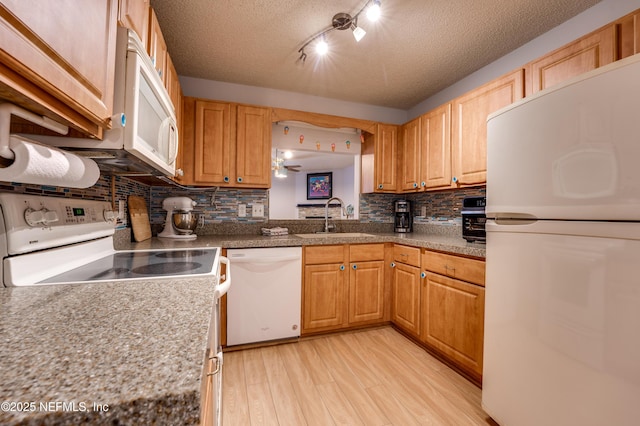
{"points": [[473, 219]]}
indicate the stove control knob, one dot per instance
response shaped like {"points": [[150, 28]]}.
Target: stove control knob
{"points": [[50, 216], [33, 217], [109, 216]]}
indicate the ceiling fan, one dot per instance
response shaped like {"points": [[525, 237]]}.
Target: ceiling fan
{"points": [[281, 169]]}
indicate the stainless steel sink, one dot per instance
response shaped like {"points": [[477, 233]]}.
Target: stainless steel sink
{"points": [[335, 235]]}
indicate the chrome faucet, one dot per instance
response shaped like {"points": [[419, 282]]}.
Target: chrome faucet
{"points": [[326, 211]]}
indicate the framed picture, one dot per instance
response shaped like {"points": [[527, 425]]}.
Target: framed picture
{"points": [[319, 186]]}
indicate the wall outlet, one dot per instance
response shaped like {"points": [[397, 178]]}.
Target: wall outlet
{"points": [[200, 221], [257, 210], [242, 210]]}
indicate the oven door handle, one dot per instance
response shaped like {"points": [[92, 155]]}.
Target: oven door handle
{"points": [[223, 287]]}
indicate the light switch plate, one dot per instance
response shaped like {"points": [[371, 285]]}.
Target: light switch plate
{"points": [[257, 210]]}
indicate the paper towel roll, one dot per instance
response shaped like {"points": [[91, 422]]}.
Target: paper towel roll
{"points": [[39, 164]]}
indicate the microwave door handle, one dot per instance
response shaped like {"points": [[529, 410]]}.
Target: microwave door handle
{"points": [[167, 123]]}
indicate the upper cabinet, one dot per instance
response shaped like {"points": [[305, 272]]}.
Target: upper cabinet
{"points": [[46, 65], [225, 144], [436, 147], [380, 159], [134, 14], [469, 126], [585, 54], [410, 156], [157, 48]]}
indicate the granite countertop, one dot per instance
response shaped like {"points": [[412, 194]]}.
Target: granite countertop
{"points": [[445, 242], [136, 348]]}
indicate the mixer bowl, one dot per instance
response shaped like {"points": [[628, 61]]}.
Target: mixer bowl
{"points": [[184, 222]]}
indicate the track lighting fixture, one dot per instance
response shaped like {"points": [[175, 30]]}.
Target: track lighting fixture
{"points": [[341, 21]]}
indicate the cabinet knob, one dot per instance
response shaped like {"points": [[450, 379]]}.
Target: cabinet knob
{"points": [[415, 184], [354, 267], [423, 184], [423, 274], [239, 180], [379, 186], [342, 267], [393, 264], [226, 179], [454, 179]]}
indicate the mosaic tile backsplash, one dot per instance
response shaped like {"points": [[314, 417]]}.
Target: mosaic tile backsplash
{"points": [[220, 206]]}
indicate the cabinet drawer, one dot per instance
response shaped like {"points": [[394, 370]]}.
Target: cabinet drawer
{"points": [[364, 252], [408, 255], [317, 255], [470, 270]]}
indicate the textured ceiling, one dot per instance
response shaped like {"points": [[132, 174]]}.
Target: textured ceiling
{"points": [[416, 49]]}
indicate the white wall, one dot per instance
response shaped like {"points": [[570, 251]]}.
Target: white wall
{"points": [[582, 24], [230, 92]]}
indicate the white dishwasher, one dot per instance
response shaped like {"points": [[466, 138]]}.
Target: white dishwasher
{"points": [[264, 301]]}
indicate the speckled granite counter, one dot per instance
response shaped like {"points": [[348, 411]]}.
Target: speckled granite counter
{"points": [[441, 242], [136, 348]]}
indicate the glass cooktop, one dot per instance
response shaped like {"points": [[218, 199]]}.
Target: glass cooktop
{"points": [[142, 264]]}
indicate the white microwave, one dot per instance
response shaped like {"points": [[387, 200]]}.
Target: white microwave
{"points": [[144, 134]]}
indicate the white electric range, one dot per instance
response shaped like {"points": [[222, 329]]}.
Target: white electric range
{"points": [[52, 240]]}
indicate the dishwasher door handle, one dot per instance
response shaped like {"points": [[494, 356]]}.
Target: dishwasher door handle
{"points": [[265, 259], [223, 287]]}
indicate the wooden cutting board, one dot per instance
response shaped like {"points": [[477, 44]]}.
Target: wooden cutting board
{"points": [[139, 218]]}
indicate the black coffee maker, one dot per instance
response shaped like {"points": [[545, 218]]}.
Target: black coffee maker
{"points": [[402, 216]]}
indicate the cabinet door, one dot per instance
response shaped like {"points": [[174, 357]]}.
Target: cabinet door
{"points": [[213, 150], [405, 309], [324, 297], [366, 292], [436, 147], [585, 54], [386, 158], [469, 126], [134, 14], [173, 86], [46, 64], [410, 154], [453, 319], [157, 47], [253, 147]]}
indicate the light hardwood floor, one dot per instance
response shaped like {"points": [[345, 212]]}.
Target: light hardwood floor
{"points": [[370, 377]]}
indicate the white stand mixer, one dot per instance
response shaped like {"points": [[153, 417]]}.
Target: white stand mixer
{"points": [[180, 222]]}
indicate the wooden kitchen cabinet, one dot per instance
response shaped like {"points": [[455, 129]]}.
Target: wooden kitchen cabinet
{"points": [[628, 30], [380, 160], [324, 290], [157, 47], [45, 66], [134, 14], [436, 147], [253, 146], [225, 144], [452, 309], [469, 126], [366, 284], [405, 308], [585, 54], [343, 286], [410, 155]]}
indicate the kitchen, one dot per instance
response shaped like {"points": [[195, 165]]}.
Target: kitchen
{"points": [[219, 207]]}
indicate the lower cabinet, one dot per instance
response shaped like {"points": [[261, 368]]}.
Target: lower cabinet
{"points": [[405, 308], [343, 286], [453, 319], [452, 309]]}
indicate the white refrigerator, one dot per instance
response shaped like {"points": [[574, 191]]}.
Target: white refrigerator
{"points": [[562, 317]]}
